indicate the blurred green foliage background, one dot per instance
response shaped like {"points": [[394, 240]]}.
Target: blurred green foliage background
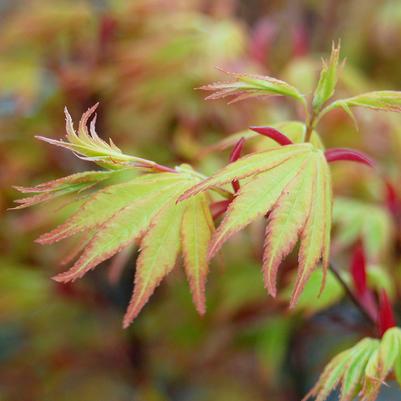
{"points": [[142, 59]]}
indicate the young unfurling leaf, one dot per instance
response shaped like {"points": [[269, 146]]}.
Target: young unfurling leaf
{"points": [[328, 79], [361, 370], [88, 145], [293, 184], [247, 86]]}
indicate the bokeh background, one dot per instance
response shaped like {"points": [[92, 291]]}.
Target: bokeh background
{"points": [[142, 59]]}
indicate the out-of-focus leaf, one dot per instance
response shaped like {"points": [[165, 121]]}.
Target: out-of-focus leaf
{"points": [[356, 219], [313, 300]]}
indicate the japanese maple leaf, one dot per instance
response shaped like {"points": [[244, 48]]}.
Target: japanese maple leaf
{"points": [[292, 183]]}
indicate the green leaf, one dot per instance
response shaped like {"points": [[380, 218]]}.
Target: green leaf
{"points": [[291, 182], [355, 368], [347, 369], [328, 79], [247, 86], [379, 279], [356, 219], [312, 300]]}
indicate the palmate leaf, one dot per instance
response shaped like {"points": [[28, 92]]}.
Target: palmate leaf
{"points": [[143, 209], [361, 370], [293, 184]]}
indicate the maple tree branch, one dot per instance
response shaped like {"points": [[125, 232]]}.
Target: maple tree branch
{"points": [[351, 295]]}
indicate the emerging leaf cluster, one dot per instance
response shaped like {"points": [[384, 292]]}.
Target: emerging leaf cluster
{"points": [[361, 370]]}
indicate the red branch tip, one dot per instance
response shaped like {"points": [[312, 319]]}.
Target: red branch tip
{"points": [[386, 314], [274, 134], [338, 154], [358, 269]]}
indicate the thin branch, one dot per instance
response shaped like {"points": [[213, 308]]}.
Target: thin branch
{"points": [[352, 297]]}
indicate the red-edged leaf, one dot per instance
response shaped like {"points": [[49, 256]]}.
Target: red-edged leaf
{"points": [[159, 251]]}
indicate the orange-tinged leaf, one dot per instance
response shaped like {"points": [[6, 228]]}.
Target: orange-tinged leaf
{"points": [[286, 221], [196, 230], [160, 247]]}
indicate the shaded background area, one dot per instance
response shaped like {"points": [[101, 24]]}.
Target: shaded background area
{"points": [[142, 59]]}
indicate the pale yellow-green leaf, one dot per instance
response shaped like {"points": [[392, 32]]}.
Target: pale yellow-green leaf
{"points": [[254, 199], [159, 251], [315, 238], [196, 230]]}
